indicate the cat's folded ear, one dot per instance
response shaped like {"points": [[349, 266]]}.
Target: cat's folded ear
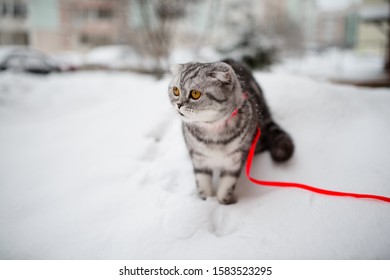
{"points": [[175, 68], [223, 74]]}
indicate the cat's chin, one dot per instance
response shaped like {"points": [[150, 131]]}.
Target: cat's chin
{"points": [[206, 116], [205, 120], [193, 120]]}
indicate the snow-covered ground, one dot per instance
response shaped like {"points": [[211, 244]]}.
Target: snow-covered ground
{"points": [[93, 166], [335, 64]]}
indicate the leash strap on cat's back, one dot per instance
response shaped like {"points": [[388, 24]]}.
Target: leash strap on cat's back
{"points": [[297, 185]]}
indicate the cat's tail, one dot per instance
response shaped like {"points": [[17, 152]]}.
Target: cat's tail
{"points": [[276, 140]]}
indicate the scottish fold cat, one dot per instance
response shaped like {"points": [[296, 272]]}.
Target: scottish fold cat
{"points": [[221, 106]]}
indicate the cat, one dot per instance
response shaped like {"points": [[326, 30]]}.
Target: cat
{"points": [[221, 106]]}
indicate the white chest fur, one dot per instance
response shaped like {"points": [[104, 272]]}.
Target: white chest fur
{"points": [[218, 156]]}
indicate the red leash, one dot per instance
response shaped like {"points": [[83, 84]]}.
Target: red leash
{"points": [[300, 186]]}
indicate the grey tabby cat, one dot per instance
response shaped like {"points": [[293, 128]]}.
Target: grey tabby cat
{"points": [[221, 106]]}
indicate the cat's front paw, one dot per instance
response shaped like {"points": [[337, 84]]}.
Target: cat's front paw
{"points": [[227, 199], [204, 185], [203, 194], [226, 196], [226, 189]]}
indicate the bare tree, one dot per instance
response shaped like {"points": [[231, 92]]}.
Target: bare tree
{"points": [[153, 34]]}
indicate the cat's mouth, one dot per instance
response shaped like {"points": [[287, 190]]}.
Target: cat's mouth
{"points": [[180, 113], [206, 116]]}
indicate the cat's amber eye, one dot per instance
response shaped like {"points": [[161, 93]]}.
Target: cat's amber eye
{"points": [[175, 91], [195, 94]]}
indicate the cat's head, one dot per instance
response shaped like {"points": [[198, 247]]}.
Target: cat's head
{"points": [[204, 92]]}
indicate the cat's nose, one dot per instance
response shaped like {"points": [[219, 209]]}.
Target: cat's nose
{"points": [[179, 105]]}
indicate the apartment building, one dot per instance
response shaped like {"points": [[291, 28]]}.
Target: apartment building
{"points": [[54, 25], [76, 24], [13, 22], [374, 26]]}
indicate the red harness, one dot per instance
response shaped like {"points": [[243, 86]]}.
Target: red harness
{"points": [[296, 185]]}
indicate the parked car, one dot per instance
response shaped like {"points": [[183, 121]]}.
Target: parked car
{"points": [[25, 59]]}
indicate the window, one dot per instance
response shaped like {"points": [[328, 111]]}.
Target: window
{"points": [[15, 9], [93, 40], [3, 9], [20, 10], [104, 14]]}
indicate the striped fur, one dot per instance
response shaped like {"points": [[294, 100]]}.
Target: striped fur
{"points": [[216, 139]]}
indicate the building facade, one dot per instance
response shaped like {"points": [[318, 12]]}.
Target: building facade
{"points": [[373, 28], [13, 22], [76, 24], [56, 25]]}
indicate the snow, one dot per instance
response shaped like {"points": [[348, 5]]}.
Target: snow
{"points": [[335, 5], [335, 64], [69, 59], [204, 54], [118, 57], [94, 166]]}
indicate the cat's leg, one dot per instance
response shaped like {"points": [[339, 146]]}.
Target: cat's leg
{"points": [[227, 184], [204, 184]]}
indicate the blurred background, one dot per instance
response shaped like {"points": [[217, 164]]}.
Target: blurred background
{"points": [[338, 40], [93, 164]]}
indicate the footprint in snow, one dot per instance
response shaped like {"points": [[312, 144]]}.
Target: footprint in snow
{"points": [[158, 138], [224, 220], [184, 215], [159, 129]]}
